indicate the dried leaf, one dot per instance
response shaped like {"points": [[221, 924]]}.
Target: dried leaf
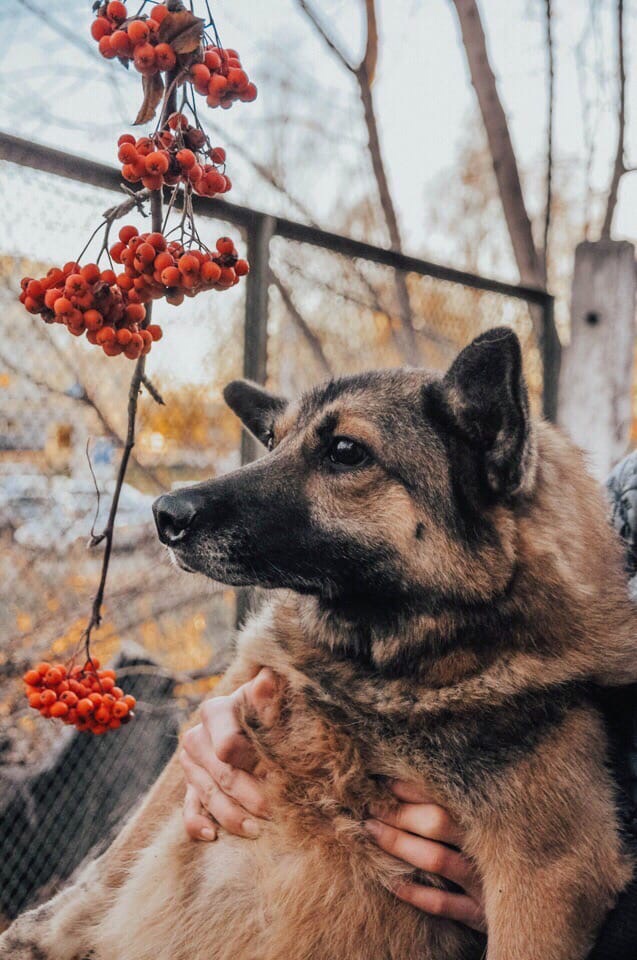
{"points": [[182, 30], [153, 89]]}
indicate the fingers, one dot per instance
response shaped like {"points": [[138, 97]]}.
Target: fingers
{"points": [[424, 819], [442, 903], [198, 826], [220, 720], [242, 787], [410, 792], [228, 814], [260, 694], [422, 853]]}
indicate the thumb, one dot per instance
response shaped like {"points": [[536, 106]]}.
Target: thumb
{"points": [[260, 695]]}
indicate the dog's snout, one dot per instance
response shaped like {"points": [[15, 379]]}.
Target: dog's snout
{"points": [[174, 516]]}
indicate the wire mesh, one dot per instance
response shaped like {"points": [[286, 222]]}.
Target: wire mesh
{"points": [[62, 794]]}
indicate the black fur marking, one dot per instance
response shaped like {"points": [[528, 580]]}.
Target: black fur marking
{"points": [[420, 529]]}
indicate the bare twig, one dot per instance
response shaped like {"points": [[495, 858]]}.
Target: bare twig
{"points": [[549, 140], [619, 167], [312, 340], [364, 72], [153, 391]]}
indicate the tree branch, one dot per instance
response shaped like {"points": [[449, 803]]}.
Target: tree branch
{"points": [[310, 337], [333, 46], [619, 167], [549, 140], [499, 138]]}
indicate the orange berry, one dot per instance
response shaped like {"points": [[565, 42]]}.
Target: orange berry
{"points": [[47, 697], [51, 296], [62, 306], [116, 10], [98, 729], [93, 319], [165, 56], [225, 245], [101, 27], [32, 677], [43, 667], [69, 698], [156, 162], [104, 47], [170, 277], [186, 159], [212, 60], [178, 121], [90, 273], [155, 331], [137, 31], [153, 181], [127, 233], [126, 138], [210, 271], [106, 335], [157, 240], [102, 715], [53, 677], [144, 57], [200, 74], [249, 94], [85, 706], [135, 313], [59, 709], [163, 260], [130, 701], [158, 13], [242, 268], [120, 709], [107, 682], [146, 252], [114, 723], [120, 43], [123, 338], [34, 701], [127, 153], [188, 264], [108, 276]]}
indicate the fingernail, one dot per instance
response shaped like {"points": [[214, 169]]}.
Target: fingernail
{"points": [[208, 834], [250, 828], [372, 826]]}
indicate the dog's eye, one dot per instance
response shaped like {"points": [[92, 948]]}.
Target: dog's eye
{"points": [[269, 440], [346, 454]]}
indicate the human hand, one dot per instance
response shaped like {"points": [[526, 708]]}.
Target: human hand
{"points": [[424, 835], [218, 761]]}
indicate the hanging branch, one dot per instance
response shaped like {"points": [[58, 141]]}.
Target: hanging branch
{"points": [[619, 167], [549, 141], [364, 72]]}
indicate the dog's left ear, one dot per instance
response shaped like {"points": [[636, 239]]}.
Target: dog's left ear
{"points": [[256, 408], [486, 397]]}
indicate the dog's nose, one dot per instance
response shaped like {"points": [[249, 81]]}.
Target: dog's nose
{"points": [[174, 515]]}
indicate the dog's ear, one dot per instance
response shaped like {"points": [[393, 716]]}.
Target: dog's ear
{"points": [[255, 407], [486, 400]]}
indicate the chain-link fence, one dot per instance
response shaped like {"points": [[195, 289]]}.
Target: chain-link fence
{"points": [[315, 305]]}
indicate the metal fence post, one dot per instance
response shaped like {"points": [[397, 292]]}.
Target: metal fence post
{"points": [[255, 346], [255, 327], [551, 359]]}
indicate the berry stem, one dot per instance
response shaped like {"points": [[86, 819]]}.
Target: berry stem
{"points": [[138, 378]]}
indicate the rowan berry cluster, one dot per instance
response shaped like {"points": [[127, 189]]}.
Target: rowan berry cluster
{"points": [[137, 39], [89, 300], [175, 155], [157, 267], [221, 79], [84, 697]]}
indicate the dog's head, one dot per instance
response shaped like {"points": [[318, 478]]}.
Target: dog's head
{"points": [[393, 485]]}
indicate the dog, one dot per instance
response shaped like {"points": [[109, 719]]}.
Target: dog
{"points": [[447, 597]]}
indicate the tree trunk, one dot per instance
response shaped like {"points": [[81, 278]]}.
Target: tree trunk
{"points": [[502, 153]]}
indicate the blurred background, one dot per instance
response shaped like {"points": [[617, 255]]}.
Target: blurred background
{"points": [[508, 178]]}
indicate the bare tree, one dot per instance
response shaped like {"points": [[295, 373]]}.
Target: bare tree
{"points": [[620, 167], [364, 72], [527, 257]]}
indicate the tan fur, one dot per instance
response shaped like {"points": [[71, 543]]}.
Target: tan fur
{"points": [[313, 886]]}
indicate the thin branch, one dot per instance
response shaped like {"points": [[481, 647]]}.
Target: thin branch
{"points": [[311, 15], [312, 340], [549, 142], [153, 391], [619, 167]]}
